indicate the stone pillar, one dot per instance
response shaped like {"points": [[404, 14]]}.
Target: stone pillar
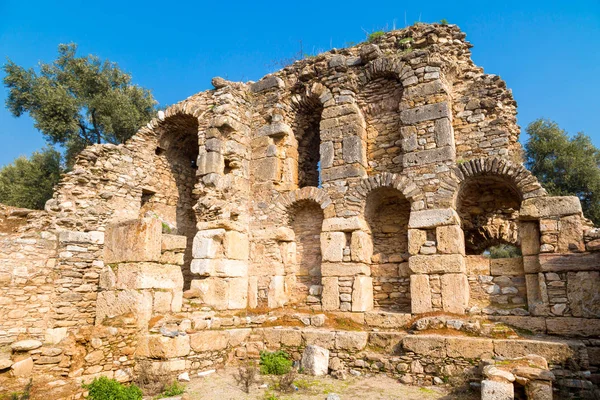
{"points": [[495, 390]]}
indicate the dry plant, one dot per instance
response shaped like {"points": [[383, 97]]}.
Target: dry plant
{"points": [[152, 381], [247, 376], [286, 382]]}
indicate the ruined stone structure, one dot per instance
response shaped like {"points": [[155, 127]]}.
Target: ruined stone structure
{"points": [[364, 183]]}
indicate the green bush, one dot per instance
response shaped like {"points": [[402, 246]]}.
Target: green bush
{"points": [[444, 21], [276, 363], [109, 389], [174, 389], [374, 36]]}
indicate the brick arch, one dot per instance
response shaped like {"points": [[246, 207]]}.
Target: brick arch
{"points": [[387, 67], [393, 181], [516, 175], [287, 200], [313, 93]]}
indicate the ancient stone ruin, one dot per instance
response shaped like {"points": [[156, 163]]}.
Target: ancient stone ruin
{"points": [[355, 189]]}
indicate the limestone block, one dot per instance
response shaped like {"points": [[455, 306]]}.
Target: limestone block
{"points": [[149, 276], [425, 345], [361, 247], [471, 348], [327, 154], [332, 246], [437, 264], [315, 360], [236, 245], [252, 292], [351, 341], [450, 239], [534, 295], [291, 337], [426, 219], [539, 390], [330, 298], [275, 130], [420, 294], [507, 266], [5, 363], [170, 257], [583, 291], [477, 265], [354, 150], [416, 239], [134, 240], [425, 113], [387, 320], [266, 83], [570, 234], [177, 301], [531, 264], [343, 172], [266, 169], [289, 252], [111, 304], [162, 302], [238, 336], [231, 268], [208, 243], [455, 293], [553, 351], [22, 368], [209, 340], [213, 291], [204, 266], [529, 233], [173, 242], [345, 224], [534, 324], [345, 269], [549, 206], [362, 294], [25, 345], [55, 335], [74, 237], [159, 346], [496, 390], [444, 134], [238, 293], [320, 338], [570, 262], [583, 327], [210, 162], [276, 296], [433, 156]]}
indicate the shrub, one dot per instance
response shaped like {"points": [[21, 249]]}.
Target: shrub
{"points": [[109, 389], [151, 380], [246, 376], [444, 21], [373, 36], [174, 389], [275, 363], [286, 382]]}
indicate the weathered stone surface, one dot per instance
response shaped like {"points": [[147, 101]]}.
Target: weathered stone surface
{"points": [[149, 276], [450, 239], [236, 245], [554, 352], [420, 294], [315, 360], [209, 341], [530, 238], [354, 150], [466, 347], [26, 345], [351, 341], [569, 262], [362, 294], [564, 326], [361, 247], [173, 242], [539, 390], [330, 298], [416, 239], [269, 82], [319, 338], [332, 246], [135, 240], [477, 265], [437, 264], [432, 156], [455, 293], [494, 390], [555, 206], [345, 224], [425, 345], [387, 320], [23, 368], [345, 269], [498, 374], [507, 266], [5, 363], [581, 292], [424, 113], [427, 219], [159, 346]]}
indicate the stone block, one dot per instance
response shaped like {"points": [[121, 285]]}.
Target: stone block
{"points": [[581, 327], [22, 368], [362, 294], [549, 206], [209, 340], [437, 264], [425, 113], [330, 298], [162, 302], [252, 292], [450, 239], [539, 390], [55, 335], [315, 360], [426, 219], [267, 83], [173, 242], [208, 243], [420, 294], [230, 268], [529, 233], [210, 162], [531, 264], [583, 291], [506, 266], [332, 246], [444, 134], [276, 296], [351, 341], [425, 345], [214, 292], [343, 172], [238, 293], [354, 150], [134, 240], [266, 169], [570, 234], [471, 348], [345, 224], [25, 345], [496, 390], [320, 338], [361, 247], [275, 130], [416, 239], [387, 320], [432, 156], [159, 346], [570, 262], [111, 304], [170, 257], [554, 351], [455, 293], [477, 265], [327, 154], [236, 245], [203, 267], [533, 324], [149, 276]]}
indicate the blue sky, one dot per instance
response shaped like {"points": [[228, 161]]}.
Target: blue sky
{"points": [[547, 51]]}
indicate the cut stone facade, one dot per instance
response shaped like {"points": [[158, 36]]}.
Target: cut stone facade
{"points": [[364, 182]]}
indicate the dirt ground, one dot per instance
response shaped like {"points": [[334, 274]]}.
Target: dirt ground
{"points": [[221, 385]]}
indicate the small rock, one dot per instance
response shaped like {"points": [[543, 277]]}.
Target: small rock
{"points": [[206, 373], [437, 381], [315, 360], [318, 320], [219, 82], [354, 372], [406, 379], [491, 372], [333, 396], [22, 368], [184, 377], [26, 345], [5, 363]]}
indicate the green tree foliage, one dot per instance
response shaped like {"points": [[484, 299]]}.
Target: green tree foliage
{"points": [[78, 101], [564, 165], [28, 182], [275, 363], [503, 251], [109, 389]]}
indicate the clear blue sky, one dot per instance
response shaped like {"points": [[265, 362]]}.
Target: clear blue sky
{"points": [[547, 51]]}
